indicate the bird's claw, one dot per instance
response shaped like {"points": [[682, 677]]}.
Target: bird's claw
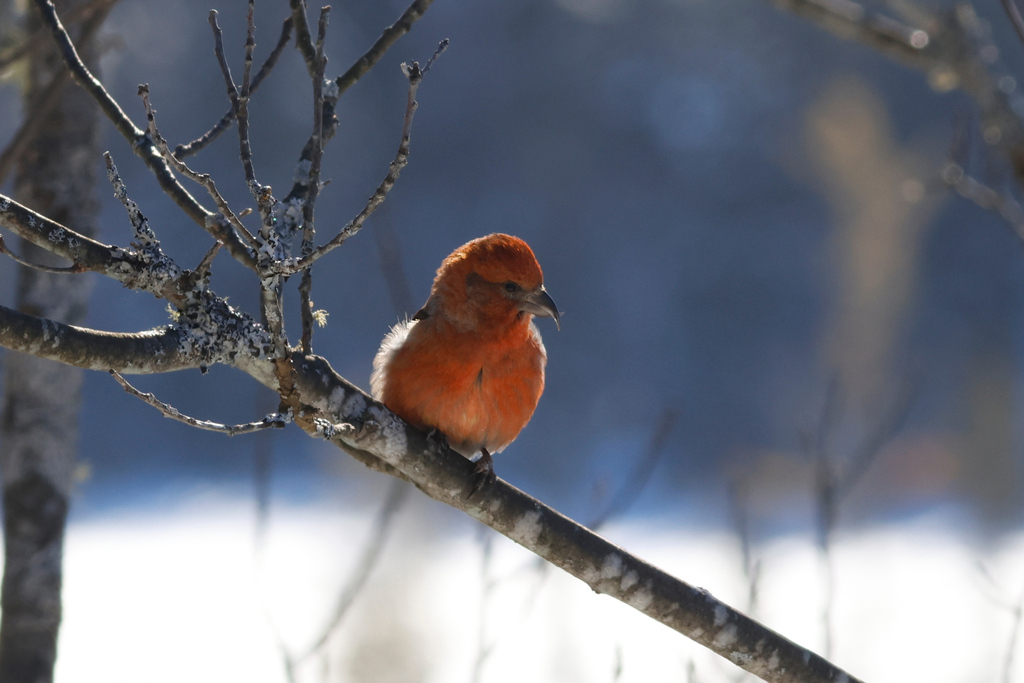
{"points": [[483, 473]]}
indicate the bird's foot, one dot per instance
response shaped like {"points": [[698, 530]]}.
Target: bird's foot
{"points": [[483, 473]]}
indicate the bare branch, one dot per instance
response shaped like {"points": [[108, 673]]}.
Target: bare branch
{"points": [[303, 40], [140, 144], [239, 103], [1002, 203], [153, 351], [884, 431], [388, 38], [205, 180], [415, 76], [274, 420], [954, 52], [852, 21], [45, 269], [93, 15], [30, 127], [123, 265], [197, 145], [86, 11], [313, 183], [204, 266], [358, 424], [641, 474]]}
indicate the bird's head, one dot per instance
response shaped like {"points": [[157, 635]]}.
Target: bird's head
{"points": [[491, 280]]}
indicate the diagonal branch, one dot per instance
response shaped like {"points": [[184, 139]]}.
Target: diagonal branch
{"points": [[388, 38], [141, 145], [365, 427], [207, 182], [954, 52]]}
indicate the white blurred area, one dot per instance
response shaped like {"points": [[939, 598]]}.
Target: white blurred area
{"points": [[181, 595]]}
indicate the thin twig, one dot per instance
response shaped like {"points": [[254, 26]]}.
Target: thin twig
{"points": [[893, 420], [995, 595], [388, 38], [1015, 18], [346, 80], [144, 239], [77, 268], [641, 474], [236, 103], [274, 420], [197, 145], [415, 75], [313, 190], [140, 144], [853, 21], [303, 40], [203, 269], [205, 180], [1001, 203], [398, 492], [488, 586]]}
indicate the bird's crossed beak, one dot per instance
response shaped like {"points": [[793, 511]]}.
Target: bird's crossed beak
{"points": [[538, 303]]}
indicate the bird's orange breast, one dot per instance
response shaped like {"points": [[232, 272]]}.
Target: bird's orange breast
{"points": [[479, 390]]}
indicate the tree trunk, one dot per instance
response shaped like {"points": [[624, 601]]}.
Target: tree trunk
{"points": [[39, 424]]}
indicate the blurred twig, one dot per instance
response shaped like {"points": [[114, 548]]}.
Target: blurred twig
{"points": [[995, 594], [87, 11], [953, 48], [738, 499], [398, 490], [835, 479], [640, 476], [92, 15], [488, 586]]}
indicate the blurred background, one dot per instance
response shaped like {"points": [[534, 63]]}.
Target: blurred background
{"points": [[769, 294]]}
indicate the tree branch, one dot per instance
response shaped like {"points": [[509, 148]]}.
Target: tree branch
{"points": [[358, 424], [951, 52], [140, 143], [415, 75], [388, 38], [197, 145], [274, 420], [152, 351]]}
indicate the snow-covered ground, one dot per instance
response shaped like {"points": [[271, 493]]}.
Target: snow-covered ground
{"points": [[181, 594]]}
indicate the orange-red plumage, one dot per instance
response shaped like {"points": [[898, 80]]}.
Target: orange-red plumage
{"points": [[471, 362]]}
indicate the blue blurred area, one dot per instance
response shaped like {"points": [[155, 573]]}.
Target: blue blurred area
{"points": [[660, 157]]}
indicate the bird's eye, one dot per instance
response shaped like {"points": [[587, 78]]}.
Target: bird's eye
{"points": [[511, 287]]}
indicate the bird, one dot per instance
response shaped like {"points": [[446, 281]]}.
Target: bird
{"points": [[470, 364]]}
